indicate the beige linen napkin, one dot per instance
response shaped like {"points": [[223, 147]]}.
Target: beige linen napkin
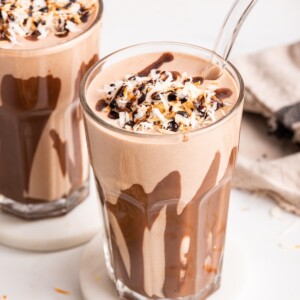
{"points": [[267, 164]]}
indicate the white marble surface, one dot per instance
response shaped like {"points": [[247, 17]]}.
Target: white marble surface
{"points": [[269, 241], [53, 234], [267, 238]]}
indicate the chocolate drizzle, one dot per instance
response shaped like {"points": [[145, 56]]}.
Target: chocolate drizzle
{"points": [[61, 150], [198, 79], [164, 58], [206, 212], [203, 221], [136, 210], [27, 105], [73, 168], [223, 93], [77, 166], [100, 105], [83, 69]]}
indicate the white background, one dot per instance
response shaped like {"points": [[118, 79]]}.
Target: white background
{"points": [[268, 242]]}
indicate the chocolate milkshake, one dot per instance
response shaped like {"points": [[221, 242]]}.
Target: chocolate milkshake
{"points": [[45, 49], [163, 143]]}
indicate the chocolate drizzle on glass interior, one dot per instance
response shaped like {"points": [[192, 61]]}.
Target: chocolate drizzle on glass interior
{"points": [[164, 101], [43, 57], [164, 189]]}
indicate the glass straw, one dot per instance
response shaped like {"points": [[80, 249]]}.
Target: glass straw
{"points": [[227, 35]]}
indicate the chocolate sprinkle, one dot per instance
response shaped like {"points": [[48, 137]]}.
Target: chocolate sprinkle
{"points": [[172, 96], [183, 113], [100, 105], [114, 115], [173, 126], [113, 103], [142, 99]]}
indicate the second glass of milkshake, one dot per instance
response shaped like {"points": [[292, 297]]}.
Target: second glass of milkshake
{"points": [[163, 143], [45, 49]]}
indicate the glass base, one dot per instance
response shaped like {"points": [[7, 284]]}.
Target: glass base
{"points": [[126, 293], [33, 211]]}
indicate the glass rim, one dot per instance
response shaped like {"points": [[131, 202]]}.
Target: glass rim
{"points": [[54, 48], [101, 122]]}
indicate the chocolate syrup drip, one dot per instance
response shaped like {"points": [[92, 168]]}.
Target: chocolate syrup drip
{"points": [[164, 58], [83, 69], [26, 109], [198, 79], [223, 93], [61, 149], [74, 169], [100, 105], [136, 210], [185, 225], [27, 105], [205, 214], [175, 75]]}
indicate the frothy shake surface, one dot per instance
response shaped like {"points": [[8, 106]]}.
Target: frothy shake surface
{"points": [[161, 93]]}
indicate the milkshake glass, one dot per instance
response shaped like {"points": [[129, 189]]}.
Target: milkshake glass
{"points": [[44, 169], [164, 197]]}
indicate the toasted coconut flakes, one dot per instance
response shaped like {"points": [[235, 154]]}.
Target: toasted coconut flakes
{"points": [[60, 291], [72, 27], [193, 120], [223, 112], [147, 125], [164, 101], [37, 18], [157, 112], [180, 119], [161, 103], [122, 119]]}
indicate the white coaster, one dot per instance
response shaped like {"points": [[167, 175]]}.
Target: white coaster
{"points": [[95, 283], [75, 228]]}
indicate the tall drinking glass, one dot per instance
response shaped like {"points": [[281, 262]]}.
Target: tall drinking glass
{"points": [[44, 169], [164, 196]]}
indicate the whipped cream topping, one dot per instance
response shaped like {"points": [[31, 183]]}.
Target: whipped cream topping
{"points": [[35, 19], [163, 101]]}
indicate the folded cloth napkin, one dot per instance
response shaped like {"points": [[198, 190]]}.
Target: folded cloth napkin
{"points": [[267, 164], [272, 83]]}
